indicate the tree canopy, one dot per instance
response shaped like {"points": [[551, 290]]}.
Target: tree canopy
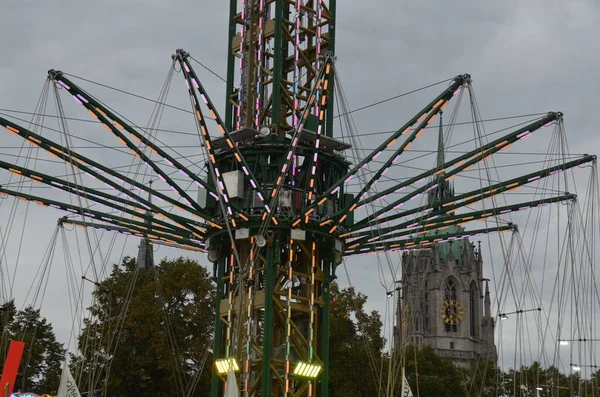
{"points": [[356, 345], [41, 362], [149, 331]]}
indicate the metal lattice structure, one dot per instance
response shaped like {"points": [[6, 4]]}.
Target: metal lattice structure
{"points": [[275, 213]]}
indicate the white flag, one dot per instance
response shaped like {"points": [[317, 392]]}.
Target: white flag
{"points": [[232, 389], [67, 387], [406, 392]]}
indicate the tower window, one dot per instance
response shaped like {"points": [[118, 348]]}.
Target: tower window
{"points": [[450, 296], [452, 345], [473, 310]]}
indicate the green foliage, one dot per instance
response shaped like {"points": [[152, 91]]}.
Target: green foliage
{"points": [[434, 374], [356, 345], [40, 366], [148, 331]]}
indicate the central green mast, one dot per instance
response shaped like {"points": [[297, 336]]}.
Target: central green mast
{"points": [[272, 325]]}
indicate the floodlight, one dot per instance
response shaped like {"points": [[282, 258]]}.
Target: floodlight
{"points": [[307, 370], [224, 365]]}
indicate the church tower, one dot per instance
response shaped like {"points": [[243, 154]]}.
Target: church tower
{"points": [[445, 299]]}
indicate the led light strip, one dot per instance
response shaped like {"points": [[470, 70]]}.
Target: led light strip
{"points": [[231, 265], [320, 108], [193, 80], [259, 62], [249, 320], [288, 317], [243, 18], [318, 111], [311, 307]]}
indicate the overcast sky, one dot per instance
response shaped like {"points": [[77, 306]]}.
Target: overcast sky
{"points": [[525, 57]]}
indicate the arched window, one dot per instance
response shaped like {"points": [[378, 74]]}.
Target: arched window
{"points": [[474, 310], [450, 296]]}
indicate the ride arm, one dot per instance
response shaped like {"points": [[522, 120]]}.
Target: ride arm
{"points": [[101, 216], [89, 166], [157, 238], [462, 200], [421, 242], [460, 163], [433, 222], [105, 115], [193, 81], [98, 196], [437, 104]]}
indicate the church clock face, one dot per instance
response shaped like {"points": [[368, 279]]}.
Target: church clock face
{"points": [[451, 312]]}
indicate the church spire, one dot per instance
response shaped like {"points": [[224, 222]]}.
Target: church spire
{"points": [[440, 150], [442, 191], [145, 258]]}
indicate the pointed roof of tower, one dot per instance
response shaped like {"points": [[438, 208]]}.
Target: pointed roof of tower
{"points": [[440, 149], [145, 258], [443, 190]]}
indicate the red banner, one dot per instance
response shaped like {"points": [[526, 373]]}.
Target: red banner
{"points": [[11, 365]]}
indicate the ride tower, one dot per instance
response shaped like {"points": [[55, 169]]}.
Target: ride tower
{"points": [[276, 212], [273, 265]]}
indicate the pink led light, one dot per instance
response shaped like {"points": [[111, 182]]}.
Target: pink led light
{"points": [[523, 134], [64, 85], [77, 100]]}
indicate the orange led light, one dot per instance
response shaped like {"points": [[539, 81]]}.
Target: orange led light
{"points": [[12, 130]]}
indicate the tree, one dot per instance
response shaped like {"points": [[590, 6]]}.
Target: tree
{"points": [[149, 331], [356, 345], [430, 374], [482, 378], [42, 357]]}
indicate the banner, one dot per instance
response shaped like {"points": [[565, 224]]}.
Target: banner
{"points": [[231, 388], [67, 387], [11, 365], [406, 391]]}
